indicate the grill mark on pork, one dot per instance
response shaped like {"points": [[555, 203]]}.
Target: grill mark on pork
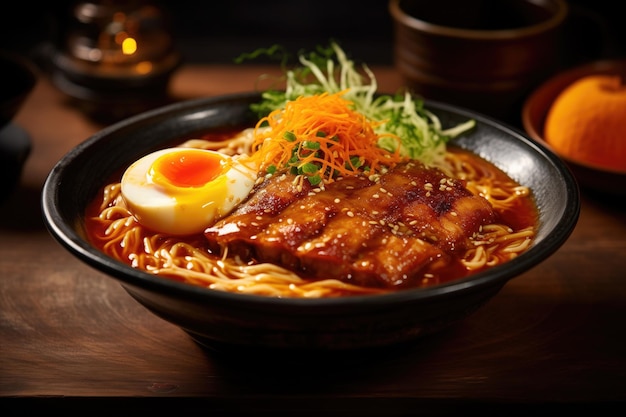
{"points": [[379, 232]]}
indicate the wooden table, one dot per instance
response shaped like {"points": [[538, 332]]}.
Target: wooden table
{"points": [[71, 337]]}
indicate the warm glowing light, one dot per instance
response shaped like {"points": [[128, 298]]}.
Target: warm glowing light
{"points": [[144, 67], [129, 46]]}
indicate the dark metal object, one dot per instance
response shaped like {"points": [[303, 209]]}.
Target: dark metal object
{"points": [[117, 58]]}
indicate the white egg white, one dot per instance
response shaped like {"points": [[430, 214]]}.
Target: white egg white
{"points": [[181, 210]]}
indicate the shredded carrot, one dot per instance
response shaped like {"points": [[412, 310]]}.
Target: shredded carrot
{"points": [[321, 136]]}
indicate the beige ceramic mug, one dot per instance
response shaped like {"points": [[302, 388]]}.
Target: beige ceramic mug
{"points": [[485, 55]]}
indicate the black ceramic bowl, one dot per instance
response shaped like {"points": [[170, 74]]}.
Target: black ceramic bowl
{"points": [[18, 80], [222, 319]]}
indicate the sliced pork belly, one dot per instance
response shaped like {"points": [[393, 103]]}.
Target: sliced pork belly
{"points": [[379, 232]]}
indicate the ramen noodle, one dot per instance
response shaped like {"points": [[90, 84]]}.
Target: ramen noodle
{"points": [[113, 228]]}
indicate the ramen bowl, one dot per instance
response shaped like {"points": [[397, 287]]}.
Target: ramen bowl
{"points": [[230, 321], [591, 177]]}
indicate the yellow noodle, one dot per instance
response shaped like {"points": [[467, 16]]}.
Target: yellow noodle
{"points": [[188, 261]]}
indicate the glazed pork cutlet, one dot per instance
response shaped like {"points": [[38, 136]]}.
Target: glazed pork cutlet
{"points": [[377, 232]]}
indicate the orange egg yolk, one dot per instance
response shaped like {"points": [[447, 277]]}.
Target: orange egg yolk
{"points": [[187, 169]]}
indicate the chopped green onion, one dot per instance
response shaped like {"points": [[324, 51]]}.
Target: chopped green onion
{"points": [[309, 168], [290, 136], [328, 70], [311, 145], [355, 161]]}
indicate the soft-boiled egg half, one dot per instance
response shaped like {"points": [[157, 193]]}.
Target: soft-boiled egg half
{"points": [[182, 191]]}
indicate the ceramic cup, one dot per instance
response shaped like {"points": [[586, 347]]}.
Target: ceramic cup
{"points": [[485, 55]]}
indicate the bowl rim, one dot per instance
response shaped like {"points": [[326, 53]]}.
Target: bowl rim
{"points": [[534, 115], [68, 237], [561, 9]]}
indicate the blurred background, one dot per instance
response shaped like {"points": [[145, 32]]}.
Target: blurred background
{"points": [[218, 32], [52, 35]]}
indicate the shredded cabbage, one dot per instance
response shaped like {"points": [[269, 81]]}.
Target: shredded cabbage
{"points": [[330, 70]]}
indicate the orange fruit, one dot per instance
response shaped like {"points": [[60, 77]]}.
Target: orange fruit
{"points": [[587, 122]]}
